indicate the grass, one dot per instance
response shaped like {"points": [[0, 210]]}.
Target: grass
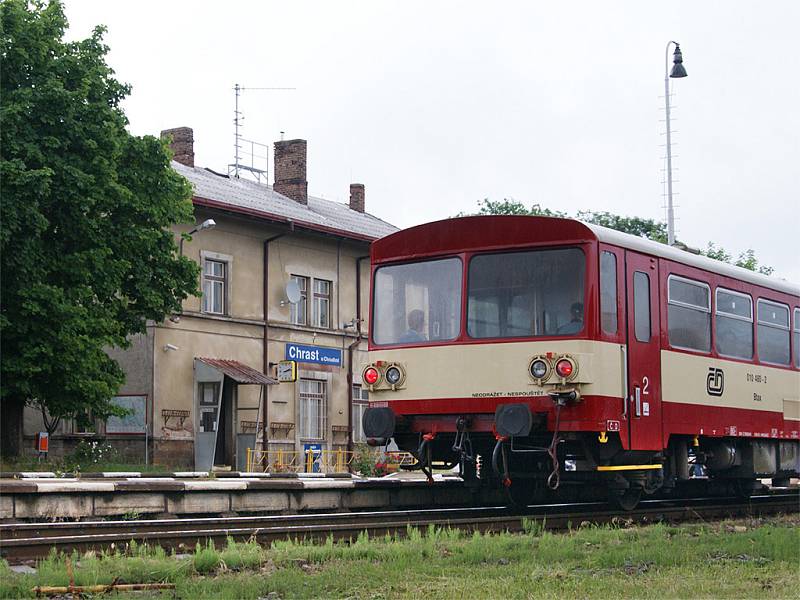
{"points": [[742, 559]]}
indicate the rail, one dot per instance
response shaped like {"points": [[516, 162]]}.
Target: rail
{"points": [[36, 540]]}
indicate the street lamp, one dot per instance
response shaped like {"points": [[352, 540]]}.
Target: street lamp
{"points": [[678, 70], [207, 224]]}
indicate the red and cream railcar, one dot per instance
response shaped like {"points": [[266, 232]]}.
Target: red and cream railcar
{"points": [[559, 352]]}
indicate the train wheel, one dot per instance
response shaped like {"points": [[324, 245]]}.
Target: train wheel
{"points": [[743, 488], [627, 499], [523, 492]]}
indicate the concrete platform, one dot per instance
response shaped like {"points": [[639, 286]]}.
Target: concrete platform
{"points": [[28, 497]]}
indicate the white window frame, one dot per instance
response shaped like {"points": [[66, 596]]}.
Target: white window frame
{"points": [[732, 293], [788, 328], [692, 307], [322, 423], [317, 300], [362, 403], [694, 282], [211, 405], [294, 313], [226, 281], [728, 315]]}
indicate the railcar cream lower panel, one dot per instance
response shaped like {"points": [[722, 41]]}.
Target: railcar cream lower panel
{"points": [[497, 370], [690, 379]]}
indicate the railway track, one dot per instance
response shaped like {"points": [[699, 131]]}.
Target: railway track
{"points": [[35, 540]]}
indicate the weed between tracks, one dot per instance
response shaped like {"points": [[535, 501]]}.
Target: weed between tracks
{"points": [[736, 559]]}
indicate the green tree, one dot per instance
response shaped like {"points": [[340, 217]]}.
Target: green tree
{"points": [[746, 259], [647, 228], [86, 248], [514, 207]]}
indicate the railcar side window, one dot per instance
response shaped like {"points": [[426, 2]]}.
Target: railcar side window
{"points": [[796, 341], [641, 306], [526, 294], [608, 292], [417, 302], [689, 314], [734, 324], [773, 332]]}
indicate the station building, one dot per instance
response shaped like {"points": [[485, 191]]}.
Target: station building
{"points": [[284, 277]]}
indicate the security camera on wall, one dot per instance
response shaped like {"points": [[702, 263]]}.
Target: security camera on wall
{"points": [[293, 293]]}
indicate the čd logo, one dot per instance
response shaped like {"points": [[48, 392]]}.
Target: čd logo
{"points": [[715, 382]]}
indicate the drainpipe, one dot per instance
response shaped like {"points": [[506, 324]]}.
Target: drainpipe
{"points": [[350, 350], [265, 369]]}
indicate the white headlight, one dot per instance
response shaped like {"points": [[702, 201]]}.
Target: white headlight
{"points": [[538, 369], [393, 375]]}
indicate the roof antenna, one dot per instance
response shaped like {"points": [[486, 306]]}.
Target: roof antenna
{"points": [[282, 135], [236, 165]]}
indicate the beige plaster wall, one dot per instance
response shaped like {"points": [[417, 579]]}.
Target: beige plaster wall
{"points": [[174, 369], [243, 242], [239, 335]]}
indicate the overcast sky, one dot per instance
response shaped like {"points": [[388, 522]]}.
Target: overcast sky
{"points": [[436, 105]]}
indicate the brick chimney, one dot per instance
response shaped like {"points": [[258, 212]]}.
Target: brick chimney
{"points": [[290, 170], [357, 197], [181, 143]]}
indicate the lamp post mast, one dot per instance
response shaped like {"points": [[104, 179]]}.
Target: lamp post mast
{"points": [[677, 71]]}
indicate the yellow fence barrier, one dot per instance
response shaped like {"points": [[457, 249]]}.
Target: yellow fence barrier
{"points": [[320, 461]]}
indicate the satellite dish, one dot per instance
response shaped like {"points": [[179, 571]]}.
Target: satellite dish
{"points": [[293, 292]]}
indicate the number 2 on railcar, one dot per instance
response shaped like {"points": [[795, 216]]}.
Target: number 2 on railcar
{"points": [[538, 353]]}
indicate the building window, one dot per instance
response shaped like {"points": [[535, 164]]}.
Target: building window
{"points": [[322, 303], [734, 315], [689, 314], [608, 292], [208, 399], [641, 306], [313, 409], [215, 274], [299, 314], [84, 422], [360, 404], [773, 332]]}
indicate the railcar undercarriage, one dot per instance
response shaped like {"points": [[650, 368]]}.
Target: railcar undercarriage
{"points": [[552, 465]]}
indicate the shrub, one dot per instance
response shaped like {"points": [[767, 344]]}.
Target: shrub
{"points": [[368, 463], [90, 452], [206, 559]]}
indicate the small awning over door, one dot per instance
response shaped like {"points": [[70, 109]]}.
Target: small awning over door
{"points": [[237, 371]]}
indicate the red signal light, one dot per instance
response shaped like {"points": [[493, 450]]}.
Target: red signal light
{"points": [[564, 368], [371, 375]]}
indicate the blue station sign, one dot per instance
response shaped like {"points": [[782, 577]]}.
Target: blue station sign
{"points": [[314, 354]]}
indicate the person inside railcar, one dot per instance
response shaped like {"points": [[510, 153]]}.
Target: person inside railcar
{"points": [[416, 327], [575, 325]]}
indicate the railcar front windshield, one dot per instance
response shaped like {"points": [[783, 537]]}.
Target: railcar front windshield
{"points": [[417, 303], [526, 294]]}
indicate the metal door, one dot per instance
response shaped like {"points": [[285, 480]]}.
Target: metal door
{"points": [[208, 396], [643, 405]]}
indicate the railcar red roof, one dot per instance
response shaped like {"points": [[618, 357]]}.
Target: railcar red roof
{"points": [[478, 233], [509, 231]]}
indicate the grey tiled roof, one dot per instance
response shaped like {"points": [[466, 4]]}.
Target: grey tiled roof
{"points": [[242, 195]]}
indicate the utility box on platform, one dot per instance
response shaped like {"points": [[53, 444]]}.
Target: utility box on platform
{"points": [[42, 442]]}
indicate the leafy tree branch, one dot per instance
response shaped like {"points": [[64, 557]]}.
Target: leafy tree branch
{"points": [[646, 228], [87, 251]]}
